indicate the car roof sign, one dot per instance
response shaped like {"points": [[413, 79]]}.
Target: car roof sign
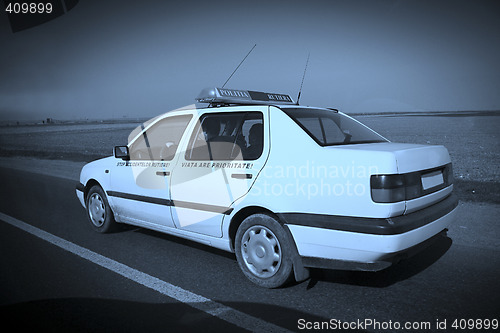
{"points": [[234, 96]]}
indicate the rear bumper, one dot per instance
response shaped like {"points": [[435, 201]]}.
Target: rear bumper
{"points": [[373, 266], [365, 243]]}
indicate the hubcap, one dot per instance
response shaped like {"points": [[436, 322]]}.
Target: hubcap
{"points": [[97, 210], [261, 251]]}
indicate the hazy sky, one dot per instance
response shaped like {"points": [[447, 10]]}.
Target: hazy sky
{"points": [[119, 58]]}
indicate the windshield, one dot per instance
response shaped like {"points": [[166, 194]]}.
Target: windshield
{"points": [[330, 128]]}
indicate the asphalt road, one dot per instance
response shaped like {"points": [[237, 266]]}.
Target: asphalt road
{"points": [[44, 286]]}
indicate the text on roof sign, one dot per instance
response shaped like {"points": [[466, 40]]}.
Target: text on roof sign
{"points": [[233, 93]]}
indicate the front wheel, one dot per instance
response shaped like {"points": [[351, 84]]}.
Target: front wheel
{"points": [[98, 211], [263, 251]]}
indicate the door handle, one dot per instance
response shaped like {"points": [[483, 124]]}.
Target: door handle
{"points": [[241, 175], [163, 173]]}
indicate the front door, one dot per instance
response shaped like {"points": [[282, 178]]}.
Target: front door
{"points": [[139, 187], [223, 157]]}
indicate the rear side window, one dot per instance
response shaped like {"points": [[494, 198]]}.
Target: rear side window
{"points": [[330, 128], [227, 136]]}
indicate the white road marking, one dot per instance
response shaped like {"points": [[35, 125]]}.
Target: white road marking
{"points": [[199, 302]]}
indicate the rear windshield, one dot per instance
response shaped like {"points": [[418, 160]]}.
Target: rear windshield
{"points": [[330, 128]]}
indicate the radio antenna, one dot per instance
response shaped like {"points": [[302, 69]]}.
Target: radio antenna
{"points": [[230, 76], [303, 76]]}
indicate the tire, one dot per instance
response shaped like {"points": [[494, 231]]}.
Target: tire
{"points": [[263, 251], [99, 213]]}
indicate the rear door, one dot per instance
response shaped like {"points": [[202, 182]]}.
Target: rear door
{"points": [[225, 152]]}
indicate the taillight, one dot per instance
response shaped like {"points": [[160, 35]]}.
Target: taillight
{"points": [[448, 174], [400, 187], [387, 188]]}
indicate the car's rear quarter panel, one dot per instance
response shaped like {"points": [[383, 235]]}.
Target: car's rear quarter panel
{"points": [[301, 176]]}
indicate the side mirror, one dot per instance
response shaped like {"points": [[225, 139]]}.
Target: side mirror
{"points": [[122, 152]]}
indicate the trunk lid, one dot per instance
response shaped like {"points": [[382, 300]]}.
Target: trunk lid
{"points": [[429, 167], [409, 157]]}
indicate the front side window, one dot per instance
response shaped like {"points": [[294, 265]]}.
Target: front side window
{"points": [[330, 128], [160, 141], [227, 136]]}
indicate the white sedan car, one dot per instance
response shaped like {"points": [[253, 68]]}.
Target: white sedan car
{"points": [[285, 187]]}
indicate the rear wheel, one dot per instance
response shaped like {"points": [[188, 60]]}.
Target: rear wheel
{"points": [[263, 251], [98, 211]]}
